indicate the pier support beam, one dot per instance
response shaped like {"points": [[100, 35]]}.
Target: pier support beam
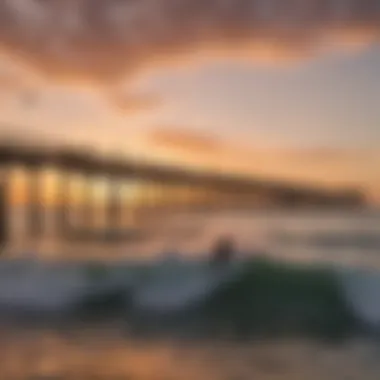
{"points": [[89, 205], [114, 206], [63, 204], [129, 204], [35, 214], [4, 217]]}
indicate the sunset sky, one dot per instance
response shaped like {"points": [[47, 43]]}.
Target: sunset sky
{"points": [[285, 89]]}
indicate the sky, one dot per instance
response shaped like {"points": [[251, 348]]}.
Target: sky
{"points": [[283, 89]]}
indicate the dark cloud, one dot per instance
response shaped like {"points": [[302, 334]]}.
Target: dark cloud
{"points": [[106, 40]]}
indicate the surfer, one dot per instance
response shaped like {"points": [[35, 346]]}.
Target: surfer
{"points": [[223, 251]]}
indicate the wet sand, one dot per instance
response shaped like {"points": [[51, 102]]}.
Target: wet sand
{"points": [[107, 355]]}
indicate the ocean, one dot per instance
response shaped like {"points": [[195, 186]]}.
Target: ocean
{"points": [[300, 301], [351, 238]]}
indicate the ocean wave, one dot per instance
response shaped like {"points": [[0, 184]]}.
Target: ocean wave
{"points": [[250, 298], [332, 240]]}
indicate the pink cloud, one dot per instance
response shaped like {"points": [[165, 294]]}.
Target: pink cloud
{"points": [[104, 41]]}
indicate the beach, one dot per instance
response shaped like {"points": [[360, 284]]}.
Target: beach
{"points": [[107, 355], [300, 301]]}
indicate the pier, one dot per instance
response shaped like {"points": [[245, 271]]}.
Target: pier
{"points": [[157, 191]]}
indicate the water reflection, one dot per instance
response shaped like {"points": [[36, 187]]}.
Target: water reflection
{"points": [[105, 355], [291, 236]]}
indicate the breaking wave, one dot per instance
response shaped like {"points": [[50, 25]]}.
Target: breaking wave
{"points": [[255, 297]]}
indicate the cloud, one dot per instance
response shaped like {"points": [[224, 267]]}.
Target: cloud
{"points": [[12, 84], [17, 83], [323, 165], [104, 41], [320, 155], [8, 83], [185, 142], [129, 103]]}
